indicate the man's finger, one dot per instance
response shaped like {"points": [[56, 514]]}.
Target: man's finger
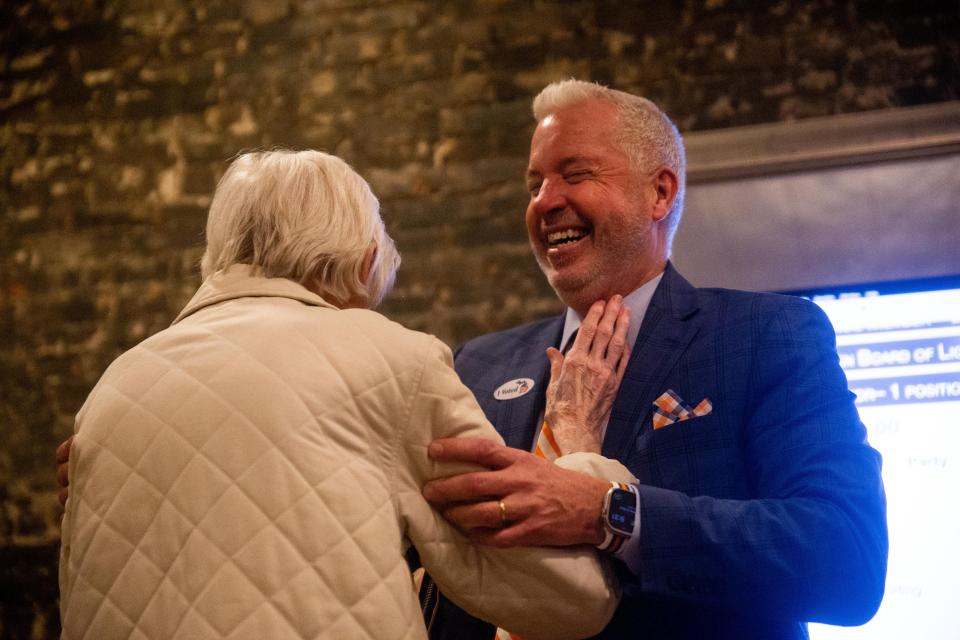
{"points": [[466, 517], [62, 497], [493, 537], [63, 451], [466, 487], [481, 451]]}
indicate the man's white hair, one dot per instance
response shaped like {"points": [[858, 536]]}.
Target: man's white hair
{"points": [[301, 215], [645, 133]]}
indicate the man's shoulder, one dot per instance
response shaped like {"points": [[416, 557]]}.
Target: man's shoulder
{"points": [[675, 290], [754, 302], [764, 316], [768, 300]]}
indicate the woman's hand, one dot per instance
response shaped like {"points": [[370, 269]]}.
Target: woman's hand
{"points": [[584, 383], [63, 462]]}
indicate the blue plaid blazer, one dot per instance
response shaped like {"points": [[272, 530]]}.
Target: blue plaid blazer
{"points": [[756, 518]]}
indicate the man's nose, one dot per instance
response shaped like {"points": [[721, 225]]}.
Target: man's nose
{"points": [[550, 197]]}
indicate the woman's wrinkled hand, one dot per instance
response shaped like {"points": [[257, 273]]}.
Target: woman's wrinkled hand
{"points": [[584, 382], [63, 462]]}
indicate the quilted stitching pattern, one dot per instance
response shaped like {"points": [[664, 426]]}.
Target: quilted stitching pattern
{"points": [[238, 483], [152, 538]]}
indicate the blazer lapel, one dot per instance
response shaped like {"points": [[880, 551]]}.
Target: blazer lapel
{"points": [[517, 420], [664, 334]]}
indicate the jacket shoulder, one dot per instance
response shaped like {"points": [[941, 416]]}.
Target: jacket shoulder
{"points": [[507, 341], [762, 307], [390, 336]]}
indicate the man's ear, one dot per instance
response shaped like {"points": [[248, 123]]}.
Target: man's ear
{"points": [[665, 185], [367, 265]]}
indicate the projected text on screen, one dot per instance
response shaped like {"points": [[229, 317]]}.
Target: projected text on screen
{"points": [[901, 355]]}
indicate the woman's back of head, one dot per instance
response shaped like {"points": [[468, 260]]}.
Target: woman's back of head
{"points": [[305, 216]]}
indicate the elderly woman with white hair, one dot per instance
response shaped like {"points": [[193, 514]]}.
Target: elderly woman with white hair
{"points": [[254, 470]]}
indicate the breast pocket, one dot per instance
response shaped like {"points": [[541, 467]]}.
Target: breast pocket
{"points": [[697, 456]]}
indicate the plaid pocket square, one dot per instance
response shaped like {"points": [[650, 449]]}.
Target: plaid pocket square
{"points": [[669, 408]]}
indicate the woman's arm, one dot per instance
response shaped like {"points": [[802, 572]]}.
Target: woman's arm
{"points": [[536, 592]]}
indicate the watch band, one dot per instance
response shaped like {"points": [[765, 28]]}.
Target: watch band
{"points": [[614, 539]]}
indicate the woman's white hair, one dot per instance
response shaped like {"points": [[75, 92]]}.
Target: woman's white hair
{"points": [[648, 137], [305, 216]]}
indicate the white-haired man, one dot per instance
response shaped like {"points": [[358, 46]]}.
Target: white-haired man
{"points": [[758, 504]]}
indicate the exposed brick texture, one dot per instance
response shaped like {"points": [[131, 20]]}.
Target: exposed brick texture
{"points": [[118, 117]]}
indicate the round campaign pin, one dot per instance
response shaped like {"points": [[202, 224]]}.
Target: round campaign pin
{"points": [[514, 389]]}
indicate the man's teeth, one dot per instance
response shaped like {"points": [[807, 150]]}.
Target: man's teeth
{"points": [[565, 236]]}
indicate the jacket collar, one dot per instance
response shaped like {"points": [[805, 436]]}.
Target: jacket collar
{"points": [[668, 327], [242, 281], [675, 295]]}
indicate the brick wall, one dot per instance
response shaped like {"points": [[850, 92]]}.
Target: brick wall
{"points": [[117, 119]]}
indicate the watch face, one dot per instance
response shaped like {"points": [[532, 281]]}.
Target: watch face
{"points": [[623, 511]]}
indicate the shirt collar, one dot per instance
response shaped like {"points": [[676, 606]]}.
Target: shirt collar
{"points": [[637, 301]]}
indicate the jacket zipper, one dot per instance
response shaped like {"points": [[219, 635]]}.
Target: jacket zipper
{"points": [[429, 603]]}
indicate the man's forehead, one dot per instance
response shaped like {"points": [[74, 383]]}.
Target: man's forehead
{"points": [[566, 141], [589, 121]]}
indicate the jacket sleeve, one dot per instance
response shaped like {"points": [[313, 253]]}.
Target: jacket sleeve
{"points": [[535, 592], [812, 544]]}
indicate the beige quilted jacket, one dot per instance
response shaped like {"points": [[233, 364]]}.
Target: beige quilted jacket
{"points": [[254, 471]]}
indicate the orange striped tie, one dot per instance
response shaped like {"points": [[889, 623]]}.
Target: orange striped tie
{"points": [[548, 449]]}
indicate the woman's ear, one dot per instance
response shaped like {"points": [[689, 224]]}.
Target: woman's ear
{"points": [[359, 300], [367, 266]]}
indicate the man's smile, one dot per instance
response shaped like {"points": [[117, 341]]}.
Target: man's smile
{"points": [[559, 239]]}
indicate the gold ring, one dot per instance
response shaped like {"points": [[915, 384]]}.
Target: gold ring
{"points": [[503, 513]]}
